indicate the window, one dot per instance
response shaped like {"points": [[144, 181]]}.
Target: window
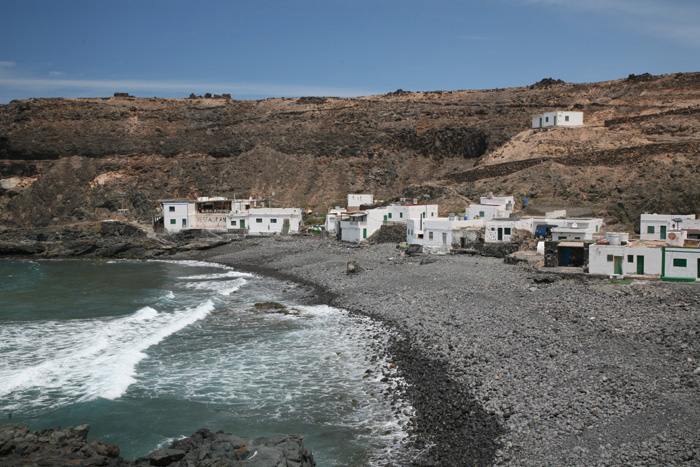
{"points": [[258, 220], [172, 221], [432, 214], [171, 208], [650, 229], [596, 227], [420, 236], [679, 262], [546, 119], [566, 118], [506, 230], [401, 215], [430, 235], [562, 237], [423, 214], [630, 258], [233, 222], [481, 213], [610, 258], [273, 221], [389, 215]]}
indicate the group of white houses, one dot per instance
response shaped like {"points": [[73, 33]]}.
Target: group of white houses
{"points": [[664, 250], [248, 215]]}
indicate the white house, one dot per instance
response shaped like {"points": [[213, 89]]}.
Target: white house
{"points": [[655, 226], [360, 225], [501, 230], [403, 212], [267, 221], [575, 229], [226, 214], [355, 200], [681, 264], [442, 234], [616, 255], [557, 118], [176, 214], [490, 207], [333, 217]]}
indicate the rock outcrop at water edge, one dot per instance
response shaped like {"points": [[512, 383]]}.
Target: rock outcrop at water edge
{"points": [[57, 447]]}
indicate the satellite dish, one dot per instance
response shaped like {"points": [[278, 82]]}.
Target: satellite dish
{"points": [[574, 225], [672, 236]]}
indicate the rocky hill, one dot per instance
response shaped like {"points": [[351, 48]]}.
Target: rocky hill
{"points": [[70, 160]]}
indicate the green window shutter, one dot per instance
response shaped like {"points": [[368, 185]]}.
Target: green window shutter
{"points": [[679, 262], [650, 229]]}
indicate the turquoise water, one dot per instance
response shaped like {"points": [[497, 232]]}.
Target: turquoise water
{"points": [[149, 352]]}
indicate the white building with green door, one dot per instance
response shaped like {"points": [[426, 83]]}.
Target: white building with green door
{"points": [[656, 226], [642, 259]]}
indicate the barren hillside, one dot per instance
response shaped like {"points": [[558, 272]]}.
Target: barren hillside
{"points": [[68, 160]]}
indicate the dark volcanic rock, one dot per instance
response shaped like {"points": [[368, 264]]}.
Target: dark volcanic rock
{"points": [[57, 447]]}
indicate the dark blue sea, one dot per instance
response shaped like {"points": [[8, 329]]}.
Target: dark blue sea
{"points": [[149, 352]]}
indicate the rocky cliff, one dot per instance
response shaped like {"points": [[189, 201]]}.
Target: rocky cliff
{"points": [[71, 160]]}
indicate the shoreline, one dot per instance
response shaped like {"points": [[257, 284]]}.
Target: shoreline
{"points": [[432, 394], [508, 366]]}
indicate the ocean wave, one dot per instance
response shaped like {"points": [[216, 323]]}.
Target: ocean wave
{"points": [[87, 359]]}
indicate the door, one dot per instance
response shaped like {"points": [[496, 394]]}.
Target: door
{"points": [[618, 265], [364, 233], [640, 265], [565, 257], [444, 238], [242, 224], [663, 232], [184, 223], [540, 122], [500, 234], [698, 270], [555, 120]]}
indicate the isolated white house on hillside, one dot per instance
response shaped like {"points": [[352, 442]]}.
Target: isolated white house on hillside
{"points": [[557, 118]]}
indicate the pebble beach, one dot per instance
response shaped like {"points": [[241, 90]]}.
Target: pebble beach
{"points": [[512, 364]]}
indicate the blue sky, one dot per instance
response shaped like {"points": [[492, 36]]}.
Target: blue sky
{"points": [[272, 48]]}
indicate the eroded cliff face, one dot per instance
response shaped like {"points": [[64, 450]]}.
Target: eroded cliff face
{"points": [[68, 160]]}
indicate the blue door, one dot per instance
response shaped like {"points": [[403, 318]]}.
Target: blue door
{"points": [[565, 257]]}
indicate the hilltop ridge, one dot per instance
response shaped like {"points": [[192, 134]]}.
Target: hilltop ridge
{"points": [[68, 160]]}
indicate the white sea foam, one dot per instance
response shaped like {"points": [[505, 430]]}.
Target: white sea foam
{"points": [[221, 287], [222, 275], [87, 359]]}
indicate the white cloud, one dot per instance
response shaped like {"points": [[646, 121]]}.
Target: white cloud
{"points": [[56, 73], [72, 87], [7, 64], [676, 20]]}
